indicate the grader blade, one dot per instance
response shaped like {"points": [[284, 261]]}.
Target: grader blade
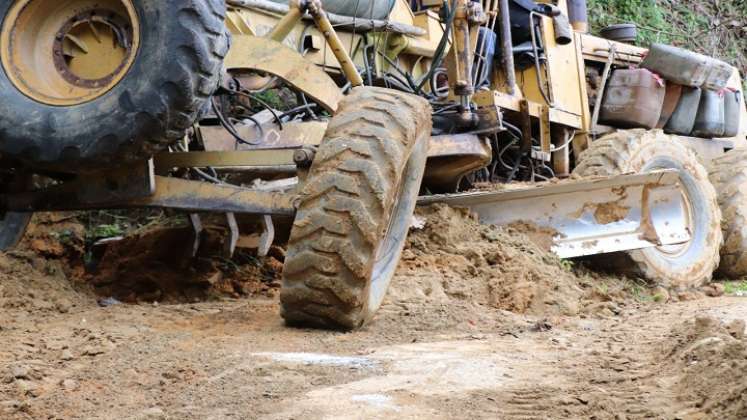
{"points": [[589, 217]]}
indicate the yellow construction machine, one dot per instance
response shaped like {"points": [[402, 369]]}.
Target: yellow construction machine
{"points": [[342, 115]]}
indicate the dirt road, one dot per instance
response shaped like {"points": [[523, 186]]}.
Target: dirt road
{"points": [[465, 333], [235, 360]]}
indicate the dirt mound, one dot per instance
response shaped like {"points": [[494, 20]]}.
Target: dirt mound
{"points": [[30, 283], [40, 275], [454, 258], [711, 359], [158, 265], [57, 236]]}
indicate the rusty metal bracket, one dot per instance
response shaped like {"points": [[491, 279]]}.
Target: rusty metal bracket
{"points": [[451, 157], [133, 182], [272, 57], [545, 135]]}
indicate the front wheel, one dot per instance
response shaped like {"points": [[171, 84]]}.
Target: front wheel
{"points": [[355, 210], [638, 151]]}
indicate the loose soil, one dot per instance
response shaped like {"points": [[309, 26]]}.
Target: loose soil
{"points": [[481, 322]]}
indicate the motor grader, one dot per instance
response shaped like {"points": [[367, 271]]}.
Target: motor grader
{"points": [[344, 115]]}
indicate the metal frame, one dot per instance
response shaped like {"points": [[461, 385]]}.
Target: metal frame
{"points": [[138, 186]]}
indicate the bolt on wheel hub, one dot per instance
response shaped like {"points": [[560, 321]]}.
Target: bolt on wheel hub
{"points": [[69, 53]]}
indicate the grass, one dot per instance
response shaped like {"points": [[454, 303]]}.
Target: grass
{"points": [[712, 27], [641, 293], [103, 224], [736, 287], [567, 265]]}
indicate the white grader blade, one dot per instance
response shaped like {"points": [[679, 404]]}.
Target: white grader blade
{"points": [[590, 217]]}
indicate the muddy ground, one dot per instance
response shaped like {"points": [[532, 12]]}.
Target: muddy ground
{"points": [[480, 323]]}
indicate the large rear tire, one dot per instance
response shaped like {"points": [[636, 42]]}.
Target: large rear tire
{"points": [[639, 151], [13, 225], [729, 176], [88, 84], [12, 228], [355, 210]]}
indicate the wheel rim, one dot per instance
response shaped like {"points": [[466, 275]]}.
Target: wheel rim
{"points": [[71, 52], [388, 255], [673, 251]]}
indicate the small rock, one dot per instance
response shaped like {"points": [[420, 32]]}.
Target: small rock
{"points": [[736, 329], [417, 223], [214, 278], [408, 255], [93, 350], [10, 403], [154, 413], [110, 301], [63, 306], [67, 355], [20, 372], [714, 290], [28, 388], [541, 326], [14, 406], [277, 252], [69, 384], [689, 295]]}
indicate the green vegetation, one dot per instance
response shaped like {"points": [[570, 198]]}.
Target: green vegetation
{"points": [[641, 293], [567, 265], [736, 287], [102, 224], [714, 27], [107, 231]]}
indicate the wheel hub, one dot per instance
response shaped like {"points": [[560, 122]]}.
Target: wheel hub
{"points": [[70, 53], [91, 48]]}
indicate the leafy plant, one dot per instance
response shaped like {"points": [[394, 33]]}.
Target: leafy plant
{"points": [[567, 265], [736, 287], [107, 231]]}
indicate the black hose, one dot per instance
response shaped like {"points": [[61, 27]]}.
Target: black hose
{"points": [[298, 109], [231, 128], [264, 104], [438, 56]]}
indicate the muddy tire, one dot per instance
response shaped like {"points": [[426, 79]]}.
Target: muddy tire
{"points": [[729, 176], [355, 210], [12, 228], [637, 151], [72, 116], [13, 225]]}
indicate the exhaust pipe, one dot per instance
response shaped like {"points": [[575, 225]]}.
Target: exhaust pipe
{"points": [[578, 13]]}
